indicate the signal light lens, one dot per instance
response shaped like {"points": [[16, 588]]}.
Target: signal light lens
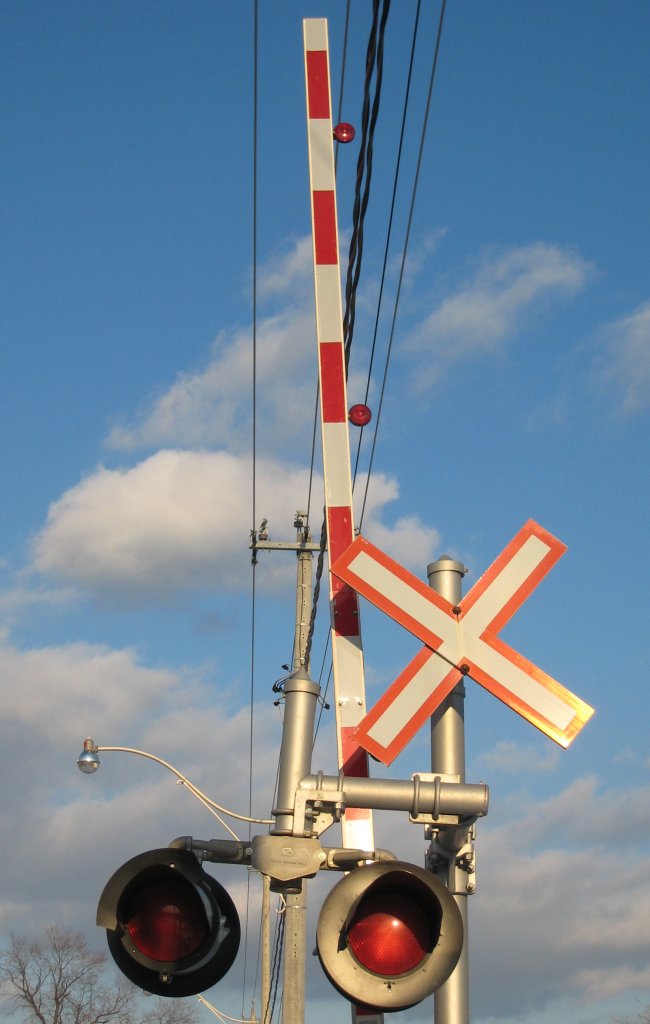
{"points": [[359, 415], [344, 132], [390, 934], [167, 921]]}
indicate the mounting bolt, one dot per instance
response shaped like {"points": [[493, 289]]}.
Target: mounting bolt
{"points": [[470, 888]]}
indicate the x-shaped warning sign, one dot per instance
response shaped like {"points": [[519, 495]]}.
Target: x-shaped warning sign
{"points": [[461, 640]]}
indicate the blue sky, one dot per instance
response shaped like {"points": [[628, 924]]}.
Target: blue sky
{"points": [[519, 387]]}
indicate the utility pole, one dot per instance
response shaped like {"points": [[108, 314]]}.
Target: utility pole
{"points": [[265, 927], [303, 592], [301, 696], [300, 699]]}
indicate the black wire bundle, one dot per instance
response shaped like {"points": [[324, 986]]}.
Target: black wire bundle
{"points": [[275, 969], [369, 114]]}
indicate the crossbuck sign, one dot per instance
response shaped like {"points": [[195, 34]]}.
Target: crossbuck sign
{"points": [[461, 640]]}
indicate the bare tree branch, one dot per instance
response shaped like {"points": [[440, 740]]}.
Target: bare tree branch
{"points": [[58, 979]]}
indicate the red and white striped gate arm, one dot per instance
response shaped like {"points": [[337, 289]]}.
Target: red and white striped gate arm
{"points": [[347, 653]]}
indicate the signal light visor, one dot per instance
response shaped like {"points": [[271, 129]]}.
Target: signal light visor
{"points": [[171, 928]]}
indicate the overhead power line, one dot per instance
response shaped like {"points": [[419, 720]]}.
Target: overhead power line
{"points": [[407, 236], [389, 229], [254, 478], [369, 114]]}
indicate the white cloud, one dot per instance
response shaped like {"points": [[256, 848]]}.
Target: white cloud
{"points": [[418, 255], [212, 405], [408, 540], [596, 983], [180, 520], [513, 759], [16, 599], [557, 904], [50, 692], [488, 308], [625, 366], [71, 831], [288, 273]]}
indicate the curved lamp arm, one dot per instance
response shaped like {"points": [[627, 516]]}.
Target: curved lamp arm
{"points": [[88, 762]]}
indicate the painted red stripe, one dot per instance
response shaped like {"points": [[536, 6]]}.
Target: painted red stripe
{"points": [[332, 372], [324, 208], [318, 91], [357, 813], [354, 760], [345, 602], [345, 612], [340, 531]]}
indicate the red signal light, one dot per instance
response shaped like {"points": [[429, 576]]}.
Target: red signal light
{"points": [[171, 928], [359, 415], [390, 934], [167, 921], [344, 132]]}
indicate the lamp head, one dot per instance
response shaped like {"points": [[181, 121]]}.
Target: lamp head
{"points": [[88, 760]]}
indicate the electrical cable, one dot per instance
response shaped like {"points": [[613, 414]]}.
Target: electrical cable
{"points": [[317, 582], [374, 62], [254, 472], [220, 1013], [278, 945], [313, 450], [404, 251], [188, 784], [323, 700], [342, 79], [389, 230], [254, 402]]}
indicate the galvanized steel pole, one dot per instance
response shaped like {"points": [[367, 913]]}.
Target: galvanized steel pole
{"points": [[451, 1000]]}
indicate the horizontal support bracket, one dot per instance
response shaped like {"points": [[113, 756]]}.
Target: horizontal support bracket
{"points": [[321, 799]]}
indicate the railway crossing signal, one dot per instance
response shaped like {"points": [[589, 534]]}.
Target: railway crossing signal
{"points": [[172, 929], [389, 934]]}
